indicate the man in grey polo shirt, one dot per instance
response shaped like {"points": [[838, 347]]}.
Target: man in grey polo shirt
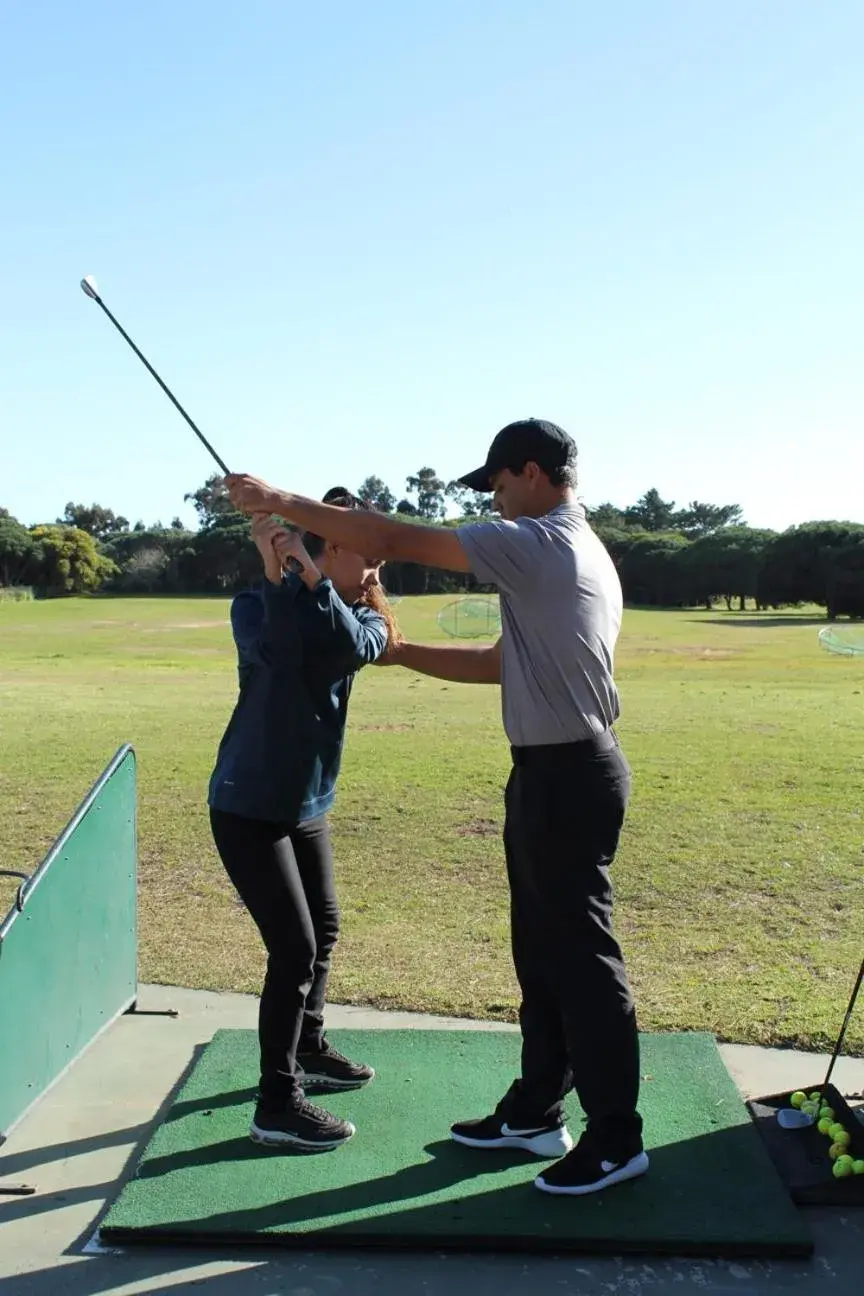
{"points": [[566, 796]]}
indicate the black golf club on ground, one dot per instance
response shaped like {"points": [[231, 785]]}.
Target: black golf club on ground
{"points": [[91, 289]]}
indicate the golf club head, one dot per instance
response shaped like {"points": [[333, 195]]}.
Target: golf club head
{"points": [[792, 1118], [90, 287]]}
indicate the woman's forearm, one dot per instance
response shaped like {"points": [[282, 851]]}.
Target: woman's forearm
{"points": [[463, 665]]}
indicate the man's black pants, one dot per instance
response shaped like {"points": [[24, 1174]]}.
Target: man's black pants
{"points": [[284, 876], [565, 807]]}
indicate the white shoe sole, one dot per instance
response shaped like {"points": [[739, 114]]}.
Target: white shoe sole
{"points": [[329, 1084], [554, 1143], [632, 1169], [280, 1138]]}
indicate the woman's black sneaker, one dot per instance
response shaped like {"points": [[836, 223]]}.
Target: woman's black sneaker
{"points": [[327, 1068], [299, 1124], [587, 1170]]}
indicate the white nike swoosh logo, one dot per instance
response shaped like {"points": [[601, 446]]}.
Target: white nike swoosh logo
{"points": [[507, 1132]]}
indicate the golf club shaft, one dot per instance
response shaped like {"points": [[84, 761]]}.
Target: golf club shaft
{"points": [[292, 564], [200, 435], [846, 1021]]}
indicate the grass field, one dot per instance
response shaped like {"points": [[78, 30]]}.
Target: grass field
{"points": [[739, 881]]}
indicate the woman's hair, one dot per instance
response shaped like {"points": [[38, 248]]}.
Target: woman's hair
{"points": [[375, 597]]}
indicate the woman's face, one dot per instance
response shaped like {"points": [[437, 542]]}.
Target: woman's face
{"points": [[351, 573]]}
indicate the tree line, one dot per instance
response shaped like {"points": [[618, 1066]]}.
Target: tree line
{"points": [[697, 555]]}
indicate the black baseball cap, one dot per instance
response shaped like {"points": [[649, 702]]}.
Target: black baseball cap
{"points": [[528, 441]]}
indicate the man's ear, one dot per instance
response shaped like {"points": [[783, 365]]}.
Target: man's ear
{"points": [[331, 550]]}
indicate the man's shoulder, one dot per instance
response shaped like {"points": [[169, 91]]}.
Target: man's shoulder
{"points": [[567, 524]]}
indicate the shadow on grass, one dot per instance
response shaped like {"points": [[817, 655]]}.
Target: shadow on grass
{"points": [[757, 622]]}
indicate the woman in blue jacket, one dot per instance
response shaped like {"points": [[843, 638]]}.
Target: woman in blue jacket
{"points": [[301, 638]]}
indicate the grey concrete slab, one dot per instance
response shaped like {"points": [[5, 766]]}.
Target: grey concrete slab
{"points": [[77, 1145]]}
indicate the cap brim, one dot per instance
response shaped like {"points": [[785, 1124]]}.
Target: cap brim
{"points": [[477, 480]]}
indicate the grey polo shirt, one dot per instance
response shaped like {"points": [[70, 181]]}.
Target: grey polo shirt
{"points": [[561, 608]]}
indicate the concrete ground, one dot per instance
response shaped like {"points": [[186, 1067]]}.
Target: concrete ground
{"points": [[80, 1142]]}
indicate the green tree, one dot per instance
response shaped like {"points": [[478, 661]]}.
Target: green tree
{"points": [[469, 503], [16, 549], [797, 566], [67, 561], [608, 517], [706, 519], [376, 495], [726, 564], [145, 571], [224, 558], [652, 513], [175, 575], [650, 569], [212, 503], [94, 519], [845, 588], [429, 489]]}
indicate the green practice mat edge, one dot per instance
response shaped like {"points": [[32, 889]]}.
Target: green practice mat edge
{"points": [[711, 1191]]}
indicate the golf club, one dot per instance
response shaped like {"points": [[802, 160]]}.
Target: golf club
{"points": [[838, 1046], [91, 289]]}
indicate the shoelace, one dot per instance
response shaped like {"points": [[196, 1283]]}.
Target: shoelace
{"points": [[329, 1051], [305, 1108]]}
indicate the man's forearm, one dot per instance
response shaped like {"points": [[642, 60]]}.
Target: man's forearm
{"points": [[468, 665], [361, 532], [378, 538]]}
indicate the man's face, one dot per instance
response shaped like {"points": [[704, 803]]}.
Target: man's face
{"points": [[513, 494]]}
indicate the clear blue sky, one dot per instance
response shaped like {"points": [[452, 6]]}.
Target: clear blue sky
{"points": [[359, 238]]}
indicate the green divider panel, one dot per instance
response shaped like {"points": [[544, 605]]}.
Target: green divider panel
{"points": [[68, 946]]}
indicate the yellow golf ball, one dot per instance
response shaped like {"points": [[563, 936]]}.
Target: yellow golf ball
{"points": [[837, 1150], [843, 1167], [858, 1167], [840, 1135], [825, 1125], [827, 1113], [798, 1098]]}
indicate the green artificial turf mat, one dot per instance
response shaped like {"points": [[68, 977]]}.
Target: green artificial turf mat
{"points": [[402, 1181]]}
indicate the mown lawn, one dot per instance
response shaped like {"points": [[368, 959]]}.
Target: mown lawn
{"points": [[740, 875]]}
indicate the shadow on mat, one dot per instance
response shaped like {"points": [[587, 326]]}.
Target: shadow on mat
{"points": [[713, 1194], [450, 1164], [212, 1102]]}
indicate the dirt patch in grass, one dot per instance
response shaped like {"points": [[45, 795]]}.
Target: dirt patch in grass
{"points": [[479, 828], [192, 625], [700, 651], [381, 728]]}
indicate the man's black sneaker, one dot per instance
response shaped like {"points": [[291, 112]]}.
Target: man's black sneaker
{"points": [[544, 1139], [301, 1125], [586, 1170], [327, 1068]]}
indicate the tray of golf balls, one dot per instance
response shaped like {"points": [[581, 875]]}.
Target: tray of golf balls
{"points": [[816, 1142]]}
